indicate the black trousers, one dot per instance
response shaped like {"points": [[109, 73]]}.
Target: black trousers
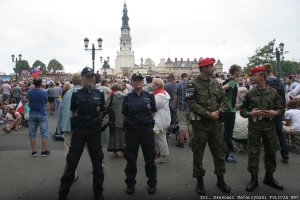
{"points": [[229, 121], [132, 142], [284, 150], [81, 136]]}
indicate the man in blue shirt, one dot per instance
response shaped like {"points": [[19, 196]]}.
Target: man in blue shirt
{"points": [[37, 116]]}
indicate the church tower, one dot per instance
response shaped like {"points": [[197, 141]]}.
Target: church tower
{"points": [[125, 56]]}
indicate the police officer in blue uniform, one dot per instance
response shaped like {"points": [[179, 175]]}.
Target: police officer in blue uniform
{"points": [[138, 109], [87, 106]]}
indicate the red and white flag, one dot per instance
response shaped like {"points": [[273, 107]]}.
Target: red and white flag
{"points": [[20, 107]]}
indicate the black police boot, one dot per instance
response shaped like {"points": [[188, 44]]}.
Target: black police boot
{"points": [[222, 185], [269, 180], [98, 195], [151, 190], [253, 183], [130, 190], [200, 186], [62, 196]]}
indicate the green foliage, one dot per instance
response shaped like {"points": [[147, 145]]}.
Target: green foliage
{"points": [[41, 64], [289, 67], [266, 55], [54, 66], [21, 65]]}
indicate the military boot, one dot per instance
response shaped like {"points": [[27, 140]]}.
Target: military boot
{"points": [[222, 185], [253, 183], [200, 185], [269, 180]]}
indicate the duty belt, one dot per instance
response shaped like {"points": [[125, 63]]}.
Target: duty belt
{"points": [[255, 119], [89, 125], [139, 126]]}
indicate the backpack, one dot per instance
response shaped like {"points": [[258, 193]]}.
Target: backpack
{"points": [[275, 83]]}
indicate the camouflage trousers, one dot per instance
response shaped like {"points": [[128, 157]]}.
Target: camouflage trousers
{"points": [[270, 142], [210, 132]]}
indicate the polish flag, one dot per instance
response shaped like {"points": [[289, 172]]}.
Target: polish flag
{"points": [[20, 107]]}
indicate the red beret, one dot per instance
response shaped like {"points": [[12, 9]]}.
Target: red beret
{"points": [[257, 69], [206, 61]]}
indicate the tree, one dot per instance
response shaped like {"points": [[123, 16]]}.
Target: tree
{"points": [[261, 56], [54, 66], [21, 65], [41, 64], [289, 67]]}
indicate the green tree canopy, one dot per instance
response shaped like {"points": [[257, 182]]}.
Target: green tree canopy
{"points": [[262, 55], [54, 66], [21, 65], [289, 67], [41, 64]]}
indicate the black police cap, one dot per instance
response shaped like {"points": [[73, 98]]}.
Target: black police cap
{"points": [[87, 71], [137, 76]]}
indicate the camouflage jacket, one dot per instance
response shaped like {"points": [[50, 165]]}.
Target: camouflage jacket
{"points": [[205, 96], [262, 99]]}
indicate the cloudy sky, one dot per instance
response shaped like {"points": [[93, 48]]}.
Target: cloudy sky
{"points": [[230, 30]]}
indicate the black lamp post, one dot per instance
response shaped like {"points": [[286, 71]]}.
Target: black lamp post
{"points": [[105, 64], [278, 54], [93, 49], [16, 60]]}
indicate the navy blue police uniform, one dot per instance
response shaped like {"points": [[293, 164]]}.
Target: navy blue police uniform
{"points": [[139, 123], [86, 128]]}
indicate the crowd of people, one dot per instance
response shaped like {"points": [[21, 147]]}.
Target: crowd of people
{"points": [[143, 111]]}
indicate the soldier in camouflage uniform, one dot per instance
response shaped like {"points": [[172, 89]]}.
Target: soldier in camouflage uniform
{"points": [[261, 105], [206, 100]]}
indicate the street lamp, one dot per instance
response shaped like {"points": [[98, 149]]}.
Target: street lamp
{"points": [[16, 60], [105, 65], [142, 62], [278, 53], [93, 49]]}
